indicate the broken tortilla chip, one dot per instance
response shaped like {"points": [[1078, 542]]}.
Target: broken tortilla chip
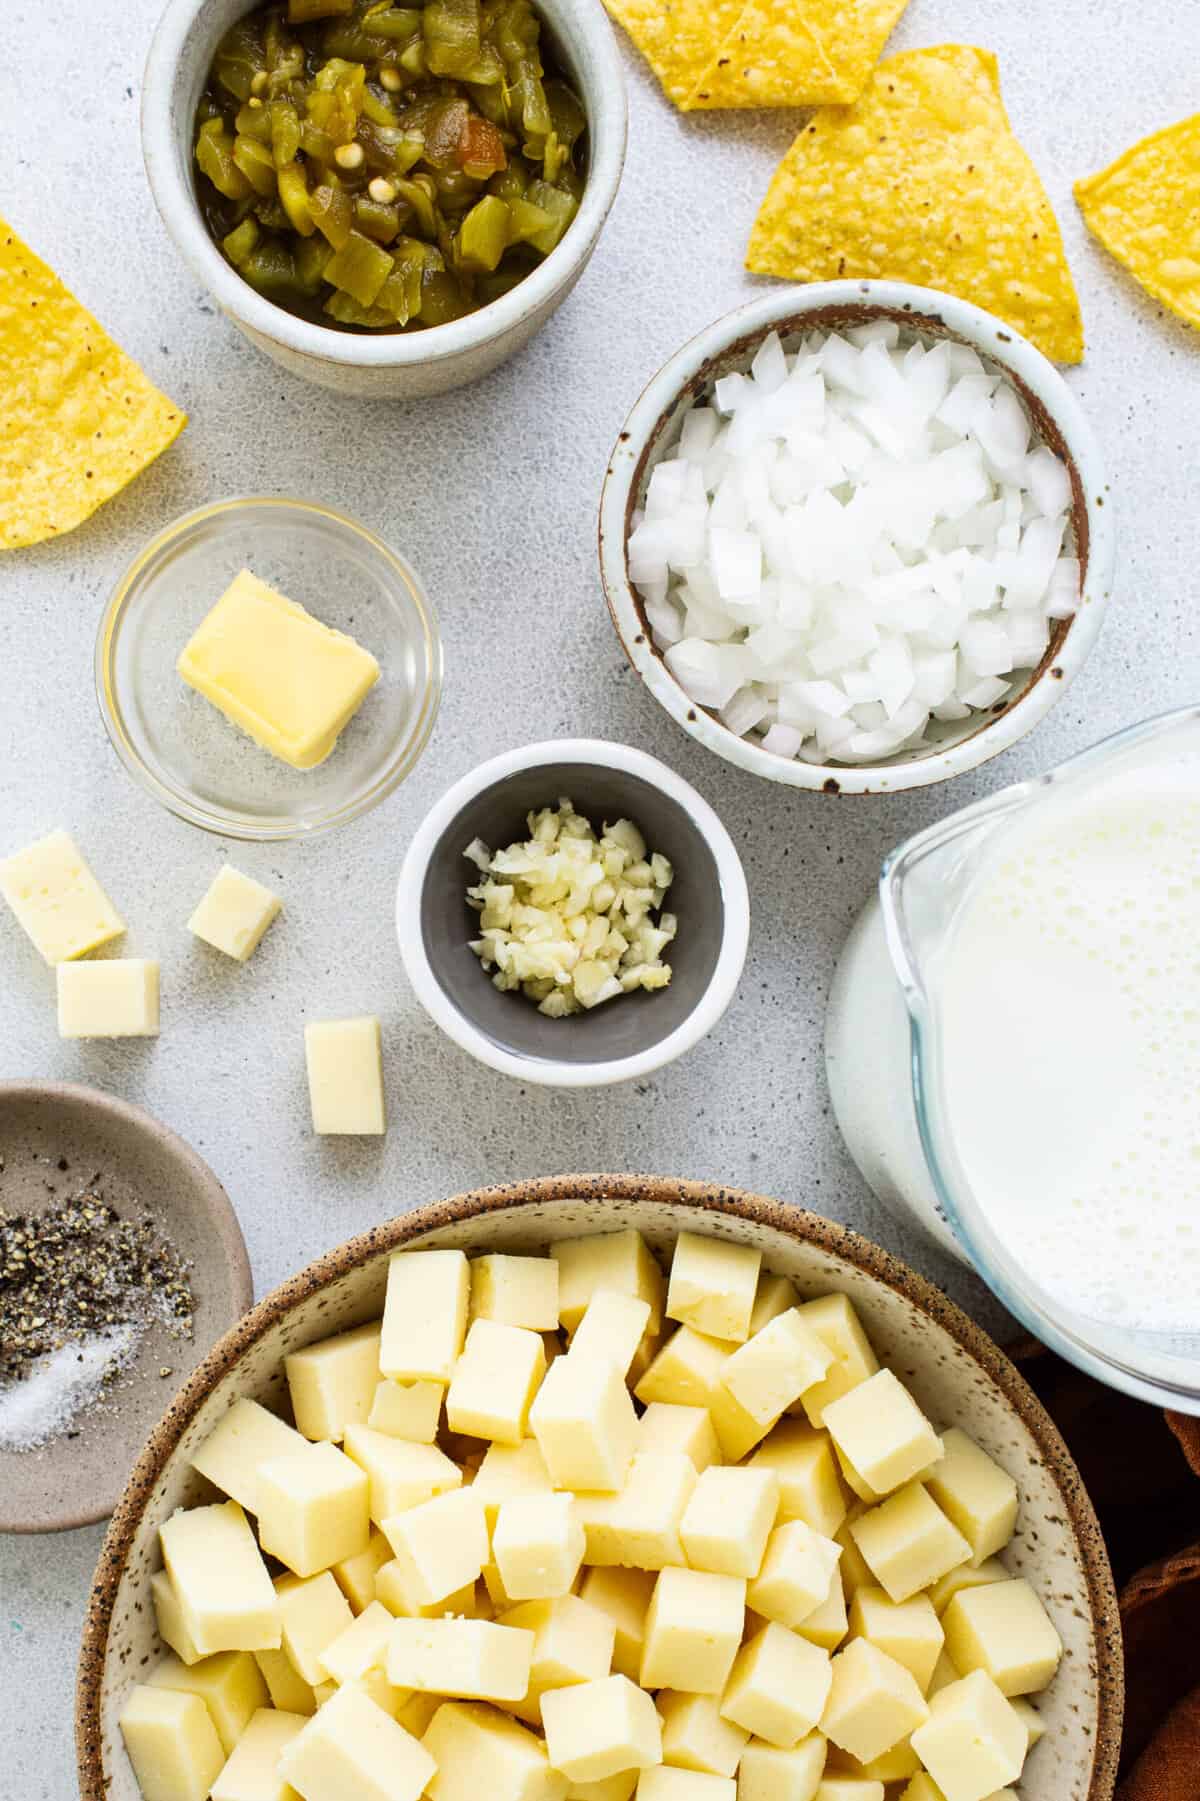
{"points": [[777, 55], [78, 419], [1143, 209], [922, 180], [678, 38]]}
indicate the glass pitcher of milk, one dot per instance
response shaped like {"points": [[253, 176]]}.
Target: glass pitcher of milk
{"points": [[1013, 1049]]}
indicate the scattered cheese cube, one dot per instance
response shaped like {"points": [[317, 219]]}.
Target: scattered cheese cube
{"points": [[474, 1659], [409, 1410], [584, 1422], [1003, 1628], [624, 1596], [668, 1427], [827, 1624], [908, 1542], [313, 1612], [778, 1686], [345, 1076], [355, 1576], [220, 1580], [441, 1545], [619, 1260], [855, 1570], [57, 901], [509, 1470], [312, 1508], [252, 1771], [695, 1734], [944, 1673], [401, 1474], [966, 1575], [873, 1702], [229, 1684], [640, 1526], [712, 1286], [480, 1752], [516, 1291], [729, 1519], [168, 1616], [613, 1327], [882, 1432], [361, 1647], [572, 1642], [908, 1631], [686, 1370], [833, 1319], [769, 1773], [809, 1488], [773, 1296], [597, 1729], [796, 1574], [352, 1747], [664, 1784], [116, 998], [332, 1383], [494, 1382], [235, 913], [972, 1490], [776, 1366], [287, 1688], [972, 1743], [693, 1630], [538, 1545], [235, 1450], [172, 1744], [391, 1587], [424, 1315]]}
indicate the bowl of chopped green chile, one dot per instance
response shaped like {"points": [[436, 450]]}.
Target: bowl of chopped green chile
{"points": [[389, 200]]}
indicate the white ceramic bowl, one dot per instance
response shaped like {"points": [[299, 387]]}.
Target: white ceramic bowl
{"points": [[628, 1036], [388, 365], [652, 430]]}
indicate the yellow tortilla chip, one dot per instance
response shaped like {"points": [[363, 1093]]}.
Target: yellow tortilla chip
{"points": [[78, 419], [922, 180], [1143, 208], [678, 38], [776, 57]]}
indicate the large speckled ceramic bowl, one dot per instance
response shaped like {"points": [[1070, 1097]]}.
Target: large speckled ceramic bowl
{"points": [[955, 1371]]}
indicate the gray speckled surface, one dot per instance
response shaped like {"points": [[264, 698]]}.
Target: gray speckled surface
{"points": [[510, 564]]}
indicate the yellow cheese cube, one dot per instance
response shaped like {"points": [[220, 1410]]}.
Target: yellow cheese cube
{"points": [[441, 1546], [516, 1291], [332, 1383], [909, 1631], [345, 1077], [966, 1575], [57, 900], [355, 1576], [834, 1319], [728, 1520], [538, 1545], [776, 1366], [288, 1690], [849, 1788], [510, 1470], [417, 1711], [313, 1612], [769, 1773], [827, 1624], [693, 1630], [1029, 1717], [596, 1729], [873, 1702], [972, 1743], [855, 1570], [613, 1788], [584, 1422], [409, 1410], [618, 1260], [472, 1658], [778, 1686], [624, 1596], [1003, 1628], [116, 998], [908, 1542], [712, 1286], [172, 1744], [643, 1357], [168, 1617], [640, 1526], [352, 1747], [667, 1427], [882, 1432], [695, 1734], [944, 1673], [896, 1765], [232, 1454], [494, 1382], [773, 1296], [220, 1580], [229, 1684], [613, 1327], [572, 1642], [401, 1474], [312, 1508], [971, 1489], [663, 1784], [252, 1771], [361, 1647], [235, 913], [686, 1370], [286, 679], [809, 1488], [480, 1752], [424, 1315], [796, 1574]]}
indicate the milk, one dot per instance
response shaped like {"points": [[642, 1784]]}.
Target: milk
{"points": [[1067, 1001]]}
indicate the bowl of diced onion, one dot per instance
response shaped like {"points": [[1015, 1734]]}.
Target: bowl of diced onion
{"points": [[856, 536]]}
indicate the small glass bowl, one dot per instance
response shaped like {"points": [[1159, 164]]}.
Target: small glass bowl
{"points": [[183, 750]]}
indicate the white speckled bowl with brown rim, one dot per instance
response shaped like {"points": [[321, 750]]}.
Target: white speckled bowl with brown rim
{"points": [[955, 1371]]}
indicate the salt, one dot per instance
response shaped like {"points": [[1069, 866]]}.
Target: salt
{"points": [[61, 1386]]}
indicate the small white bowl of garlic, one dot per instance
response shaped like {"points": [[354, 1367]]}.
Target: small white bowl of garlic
{"points": [[573, 914]]}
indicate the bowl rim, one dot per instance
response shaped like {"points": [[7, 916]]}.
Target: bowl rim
{"points": [[550, 1072], [217, 1208], [1000, 342], [242, 827], [705, 1198], [606, 105]]}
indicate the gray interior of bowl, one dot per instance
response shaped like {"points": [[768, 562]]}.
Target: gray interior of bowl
{"points": [[621, 1027]]}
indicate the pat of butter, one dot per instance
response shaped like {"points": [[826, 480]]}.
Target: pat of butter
{"points": [[269, 666], [57, 900], [217, 1572], [345, 1076], [234, 913], [117, 998]]}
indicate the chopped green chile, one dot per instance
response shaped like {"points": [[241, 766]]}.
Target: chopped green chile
{"points": [[380, 167]]}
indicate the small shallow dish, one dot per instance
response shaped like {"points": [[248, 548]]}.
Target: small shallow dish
{"points": [[144, 1170], [186, 753], [652, 429], [625, 1037], [954, 1370], [379, 365]]}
